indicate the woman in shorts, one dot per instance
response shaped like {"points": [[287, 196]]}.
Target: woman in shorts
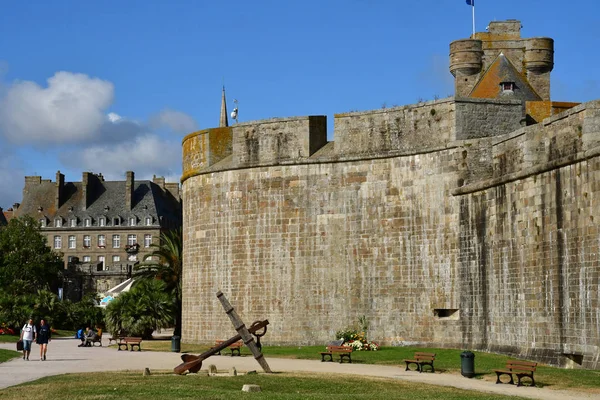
{"points": [[43, 337]]}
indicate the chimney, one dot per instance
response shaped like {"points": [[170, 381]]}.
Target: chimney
{"points": [[159, 180], [129, 188], [90, 186], [86, 189], [60, 185]]}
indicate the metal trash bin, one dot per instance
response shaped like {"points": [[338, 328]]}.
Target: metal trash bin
{"points": [[467, 364], [176, 344]]}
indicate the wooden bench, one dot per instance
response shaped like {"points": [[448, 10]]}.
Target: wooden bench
{"points": [[115, 339], [343, 351], [130, 342], [518, 368], [235, 347], [420, 360]]}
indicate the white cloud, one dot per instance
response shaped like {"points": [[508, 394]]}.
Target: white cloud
{"points": [[145, 155], [70, 109], [114, 117], [177, 121]]}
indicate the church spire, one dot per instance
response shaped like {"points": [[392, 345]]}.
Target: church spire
{"points": [[223, 121]]}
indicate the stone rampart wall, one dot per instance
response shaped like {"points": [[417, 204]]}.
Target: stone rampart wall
{"points": [[529, 268], [425, 246], [313, 247]]}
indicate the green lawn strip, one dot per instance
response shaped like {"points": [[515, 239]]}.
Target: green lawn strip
{"points": [[165, 386], [15, 338], [6, 355], [63, 333], [447, 361], [9, 338]]}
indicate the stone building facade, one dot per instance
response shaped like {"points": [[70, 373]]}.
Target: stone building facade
{"points": [[467, 222], [103, 228]]}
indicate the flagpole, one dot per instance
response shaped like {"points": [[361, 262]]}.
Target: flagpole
{"points": [[473, 19]]}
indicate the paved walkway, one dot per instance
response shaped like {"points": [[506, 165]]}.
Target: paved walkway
{"points": [[65, 357]]}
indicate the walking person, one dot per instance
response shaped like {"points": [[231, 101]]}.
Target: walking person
{"points": [[28, 335], [43, 337]]}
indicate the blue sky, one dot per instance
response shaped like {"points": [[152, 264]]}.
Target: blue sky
{"points": [[111, 86]]}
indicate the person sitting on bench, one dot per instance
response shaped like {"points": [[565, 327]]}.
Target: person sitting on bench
{"points": [[90, 336]]}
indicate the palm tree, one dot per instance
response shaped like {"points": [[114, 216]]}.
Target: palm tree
{"points": [[164, 262], [147, 307]]}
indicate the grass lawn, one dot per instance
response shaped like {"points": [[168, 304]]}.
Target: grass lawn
{"points": [[6, 355], [447, 361], [165, 385], [15, 338], [9, 338]]}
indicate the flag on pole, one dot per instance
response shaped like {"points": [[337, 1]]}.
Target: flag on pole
{"points": [[472, 3]]}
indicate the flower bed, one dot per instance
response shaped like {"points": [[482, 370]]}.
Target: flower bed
{"points": [[357, 341]]}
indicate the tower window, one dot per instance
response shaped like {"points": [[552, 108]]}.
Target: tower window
{"points": [[507, 86]]}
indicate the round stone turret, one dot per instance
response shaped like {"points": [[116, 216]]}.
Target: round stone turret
{"points": [[539, 54], [466, 56]]}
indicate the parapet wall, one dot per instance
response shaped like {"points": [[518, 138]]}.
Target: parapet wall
{"points": [[424, 126], [482, 238], [418, 128], [278, 140]]}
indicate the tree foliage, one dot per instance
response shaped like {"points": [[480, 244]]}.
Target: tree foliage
{"points": [[27, 264], [146, 307], [165, 263], [16, 310], [29, 272]]}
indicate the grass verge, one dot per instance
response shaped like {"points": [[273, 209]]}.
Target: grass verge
{"points": [[6, 355], [447, 361], [165, 386], [57, 333]]}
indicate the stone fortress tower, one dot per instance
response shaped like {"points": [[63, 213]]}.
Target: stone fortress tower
{"points": [[467, 222], [529, 60]]}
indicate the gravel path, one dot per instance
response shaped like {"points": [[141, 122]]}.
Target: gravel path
{"points": [[65, 357]]}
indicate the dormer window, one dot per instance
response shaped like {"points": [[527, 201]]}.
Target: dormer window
{"points": [[102, 221], [43, 222], [58, 222], [116, 221], [507, 87], [87, 222], [132, 221], [148, 221], [73, 222]]}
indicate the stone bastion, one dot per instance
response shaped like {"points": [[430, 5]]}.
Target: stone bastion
{"points": [[445, 223]]}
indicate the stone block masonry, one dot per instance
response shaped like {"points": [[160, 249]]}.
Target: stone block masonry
{"points": [[473, 233]]}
